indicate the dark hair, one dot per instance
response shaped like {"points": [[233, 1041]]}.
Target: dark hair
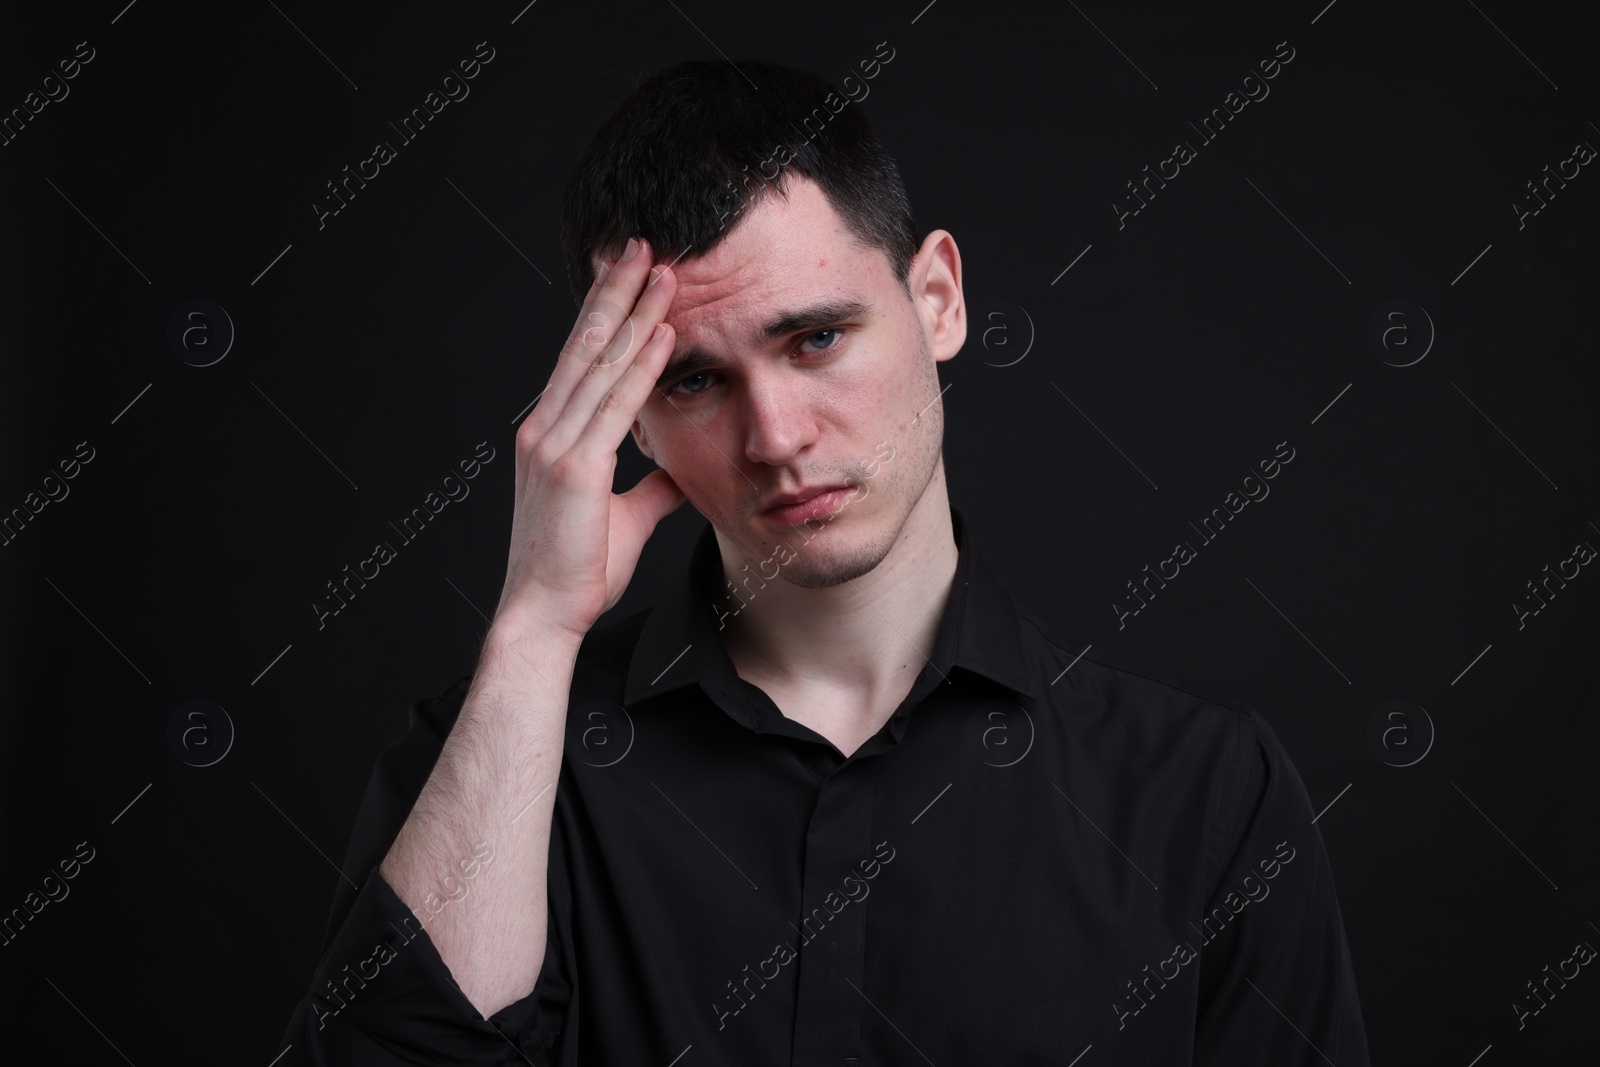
{"points": [[695, 145]]}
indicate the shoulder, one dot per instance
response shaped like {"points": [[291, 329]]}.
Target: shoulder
{"points": [[1155, 723], [1147, 701], [1142, 724]]}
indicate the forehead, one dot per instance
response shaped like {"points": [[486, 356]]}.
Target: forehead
{"points": [[783, 251]]}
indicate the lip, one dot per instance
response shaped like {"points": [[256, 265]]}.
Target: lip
{"points": [[796, 508]]}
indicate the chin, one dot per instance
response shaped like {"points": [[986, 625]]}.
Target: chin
{"points": [[832, 557]]}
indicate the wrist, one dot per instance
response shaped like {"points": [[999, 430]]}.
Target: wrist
{"points": [[531, 633]]}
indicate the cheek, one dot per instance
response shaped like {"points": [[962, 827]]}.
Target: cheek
{"points": [[689, 452]]}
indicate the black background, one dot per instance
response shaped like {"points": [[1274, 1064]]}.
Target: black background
{"points": [[1175, 353]]}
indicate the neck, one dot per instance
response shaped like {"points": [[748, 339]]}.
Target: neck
{"points": [[869, 636]]}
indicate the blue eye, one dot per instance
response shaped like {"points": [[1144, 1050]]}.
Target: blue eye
{"points": [[690, 378], [819, 333], [838, 333]]}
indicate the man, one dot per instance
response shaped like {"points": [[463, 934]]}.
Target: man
{"points": [[837, 800]]}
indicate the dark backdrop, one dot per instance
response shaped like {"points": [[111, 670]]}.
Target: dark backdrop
{"points": [[1123, 374]]}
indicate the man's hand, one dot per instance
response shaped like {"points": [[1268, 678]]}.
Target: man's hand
{"points": [[574, 543]]}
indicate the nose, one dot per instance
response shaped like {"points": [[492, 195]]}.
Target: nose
{"points": [[779, 421]]}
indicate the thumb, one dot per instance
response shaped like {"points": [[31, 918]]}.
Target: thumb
{"points": [[656, 496]]}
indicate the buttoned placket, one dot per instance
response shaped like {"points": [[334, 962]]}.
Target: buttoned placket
{"points": [[832, 999], [831, 944]]}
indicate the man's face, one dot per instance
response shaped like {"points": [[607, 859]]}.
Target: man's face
{"points": [[848, 396]]}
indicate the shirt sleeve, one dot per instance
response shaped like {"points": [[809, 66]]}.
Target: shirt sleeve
{"points": [[1277, 985], [381, 995]]}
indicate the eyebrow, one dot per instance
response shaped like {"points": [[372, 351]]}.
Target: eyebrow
{"points": [[693, 360]]}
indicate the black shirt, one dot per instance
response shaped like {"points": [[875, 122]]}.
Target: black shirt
{"points": [[1040, 856]]}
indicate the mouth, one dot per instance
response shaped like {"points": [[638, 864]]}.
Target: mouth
{"points": [[822, 504]]}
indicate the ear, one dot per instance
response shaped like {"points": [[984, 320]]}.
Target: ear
{"points": [[935, 283]]}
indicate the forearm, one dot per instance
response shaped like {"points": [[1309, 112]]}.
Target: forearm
{"points": [[491, 795]]}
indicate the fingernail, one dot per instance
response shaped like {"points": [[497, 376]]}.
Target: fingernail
{"points": [[632, 249], [655, 275]]}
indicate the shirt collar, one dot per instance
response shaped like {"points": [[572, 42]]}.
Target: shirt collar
{"points": [[679, 644]]}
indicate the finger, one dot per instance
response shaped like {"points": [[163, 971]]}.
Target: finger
{"points": [[604, 314], [617, 409], [641, 509], [612, 325], [600, 305], [657, 495], [602, 348], [603, 374], [538, 417]]}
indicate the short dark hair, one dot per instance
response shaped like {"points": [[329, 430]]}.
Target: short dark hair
{"points": [[694, 146]]}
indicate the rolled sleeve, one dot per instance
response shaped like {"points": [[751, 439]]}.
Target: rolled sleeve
{"points": [[381, 995], [1277, 985]]}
